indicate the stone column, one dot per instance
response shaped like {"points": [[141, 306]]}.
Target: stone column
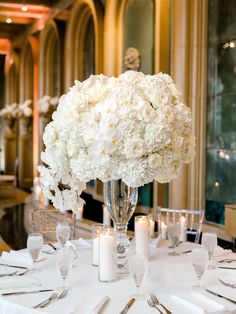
{"points": [[25, 153], [10, 146]]}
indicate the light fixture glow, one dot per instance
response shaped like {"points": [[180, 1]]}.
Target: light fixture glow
{"points": [[232, 44], [9, 20], [24, 8]]}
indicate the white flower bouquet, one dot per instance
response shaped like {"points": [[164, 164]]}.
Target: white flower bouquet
{"points": [[10, 111], [134, 127], [45, 103], [25, 110]]}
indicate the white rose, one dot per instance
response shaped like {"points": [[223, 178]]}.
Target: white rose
{"points": [[50, 135], [135, 148], [154, 161], [71, 149]]}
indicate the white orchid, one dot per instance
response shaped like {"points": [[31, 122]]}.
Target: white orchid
{"points": [[134, 127]]}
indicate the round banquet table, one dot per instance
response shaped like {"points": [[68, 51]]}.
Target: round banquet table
{"points": [[168, 276]]}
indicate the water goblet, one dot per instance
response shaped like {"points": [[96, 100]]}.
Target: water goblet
{"points": [[62, 233], [200, 261], [64, 262], [138, 268], [209, 242], [173, 233], [34, 246]]}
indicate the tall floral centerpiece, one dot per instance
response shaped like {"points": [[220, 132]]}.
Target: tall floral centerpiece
{"points": [[9, 113], [134, 128]]}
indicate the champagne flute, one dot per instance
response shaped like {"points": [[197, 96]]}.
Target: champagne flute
{"points": [[64, 263], [173, 232], [138, 268], [34, 246], [209, 242], [62, 233], [200, 261]]}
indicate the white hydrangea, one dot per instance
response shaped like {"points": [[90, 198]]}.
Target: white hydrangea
{"points": [[134, 127]]}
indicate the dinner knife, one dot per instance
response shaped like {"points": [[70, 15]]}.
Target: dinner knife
{"points": [[23, 267], [25, 292], [128, 306], [221, 296], [226, 267]]}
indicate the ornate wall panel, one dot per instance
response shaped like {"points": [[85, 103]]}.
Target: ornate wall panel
{"points": [[28, 131], [84, 14]]}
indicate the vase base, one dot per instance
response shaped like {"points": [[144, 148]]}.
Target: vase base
{"points": [[122, 270]]}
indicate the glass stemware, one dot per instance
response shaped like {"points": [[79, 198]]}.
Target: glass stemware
{"points": [[138, 268], [200, 261], [64, 263], [209, 242], [34, 246], [173, 232], [62, 233]]}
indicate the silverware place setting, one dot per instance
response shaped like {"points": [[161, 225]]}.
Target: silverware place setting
{"points": [[155, 303], [128, 306], [57, 295]]}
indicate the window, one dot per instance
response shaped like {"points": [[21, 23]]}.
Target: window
{"points": [[221, 110]]}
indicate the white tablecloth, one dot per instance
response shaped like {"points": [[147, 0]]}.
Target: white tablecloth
{"points": [[167, 276]]}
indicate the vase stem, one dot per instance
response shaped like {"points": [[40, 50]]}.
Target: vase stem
{"points": [[122, 246]]}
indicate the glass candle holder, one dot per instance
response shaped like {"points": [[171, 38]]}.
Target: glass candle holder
{"points": [[107, 264], [96, 229], [142, 238], [151, 225]]}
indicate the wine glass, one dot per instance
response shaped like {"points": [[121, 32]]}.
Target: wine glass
{"points": [[200, 261], [138, 268], [34, 246], [173, 232], [62, 233], [64, 262], [209, 242]]}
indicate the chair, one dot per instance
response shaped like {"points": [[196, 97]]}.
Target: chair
{"points": [[45, 221], [9, 183], [193, 219]]}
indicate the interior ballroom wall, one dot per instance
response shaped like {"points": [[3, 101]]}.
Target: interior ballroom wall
{"points": [[178, 32]]}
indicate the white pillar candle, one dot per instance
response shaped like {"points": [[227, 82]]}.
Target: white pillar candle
{"points": [[95, 233], [182, 229], [151, 226], [45, 201], [106, 217], [163, 230], [107, 269], [95, 244], [79, 213], [37, 193], [142, 238]]}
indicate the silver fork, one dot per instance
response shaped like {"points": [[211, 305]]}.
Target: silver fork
{"points": [[51, 298], [151, 304], [155, 301], [61, 295]]}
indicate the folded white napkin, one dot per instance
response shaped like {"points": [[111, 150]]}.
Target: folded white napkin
{"points": [[198, 303], [220, 254], [12, 283], [81, 244], [88, 304], [16, 258]]}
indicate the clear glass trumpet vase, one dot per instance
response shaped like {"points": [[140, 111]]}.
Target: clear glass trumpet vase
{"points": [[120, 200]]}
